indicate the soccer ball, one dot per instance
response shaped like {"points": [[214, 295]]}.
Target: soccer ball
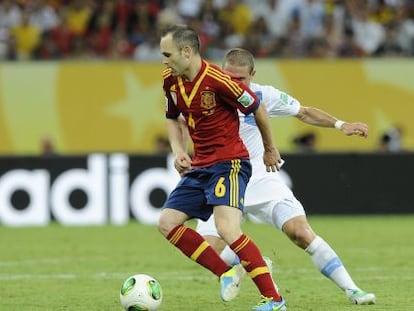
{"points": [[141, 292]]}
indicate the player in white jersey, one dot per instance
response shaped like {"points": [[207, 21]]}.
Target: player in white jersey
{"points": [[267, 196]]}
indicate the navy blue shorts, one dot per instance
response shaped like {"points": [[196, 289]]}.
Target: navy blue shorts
{"points": [[200, 189]]}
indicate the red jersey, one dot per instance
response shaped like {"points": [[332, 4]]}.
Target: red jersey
{"points": [[209, 105]]}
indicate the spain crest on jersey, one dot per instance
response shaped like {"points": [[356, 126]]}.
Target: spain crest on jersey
{"points": [[208, 100]]}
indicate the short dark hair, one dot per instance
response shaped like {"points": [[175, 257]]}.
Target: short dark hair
{"points": [[239, 57], [183, 35]]}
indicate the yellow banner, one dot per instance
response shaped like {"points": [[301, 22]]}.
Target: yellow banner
{"points": [[110, 107]]}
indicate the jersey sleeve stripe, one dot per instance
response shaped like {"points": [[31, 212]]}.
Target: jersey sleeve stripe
{"points": [[231, 85], [226, 78], [166, 73], [236, 93]]}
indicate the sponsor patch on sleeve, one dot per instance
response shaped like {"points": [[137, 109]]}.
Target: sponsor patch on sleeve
{"points": [[246, 99], [284, 98]]}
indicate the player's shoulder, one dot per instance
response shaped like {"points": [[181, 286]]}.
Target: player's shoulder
{"points": [[217, 73], [214, 67], [167, 73], [223, 79], [263, 87], [266, 91], [168, 78]]}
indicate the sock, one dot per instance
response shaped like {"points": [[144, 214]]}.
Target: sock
{"points": [[229, 256], [252, 261], [329, 264], [194, 246]]}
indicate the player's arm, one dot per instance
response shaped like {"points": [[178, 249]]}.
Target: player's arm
{"points": [[271, 156], [182, 161], [314, 116], [175, 136], [185, 135], [249, 103]]}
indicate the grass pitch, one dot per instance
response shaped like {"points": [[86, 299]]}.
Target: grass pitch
{"points": [[82, 268]]}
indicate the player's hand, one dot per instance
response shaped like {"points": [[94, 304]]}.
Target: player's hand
{"points": [[182, 163], [272, 160], [356, 128]]}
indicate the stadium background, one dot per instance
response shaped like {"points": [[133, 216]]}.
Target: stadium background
{"points": [[83, 163], [110, 107], [82, 78]]}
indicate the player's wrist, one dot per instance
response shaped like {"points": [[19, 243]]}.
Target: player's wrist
{"points": [[271, 151], [338, 124]]}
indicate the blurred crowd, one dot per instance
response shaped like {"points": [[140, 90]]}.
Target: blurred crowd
{"points": [[129, 29]]}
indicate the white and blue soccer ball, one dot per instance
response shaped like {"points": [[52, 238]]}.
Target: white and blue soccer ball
{"points": [[141, 292]]}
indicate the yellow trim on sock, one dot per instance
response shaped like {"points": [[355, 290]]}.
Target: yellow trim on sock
{"points": [[258, 271], [242, 245], [177, 235], [199, 250]]}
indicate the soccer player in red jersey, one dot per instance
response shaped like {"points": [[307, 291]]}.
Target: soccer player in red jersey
{"points": [[214, 181]]}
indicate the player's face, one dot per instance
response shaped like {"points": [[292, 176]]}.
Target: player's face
{"points": [[174, 58], [241, 73]]}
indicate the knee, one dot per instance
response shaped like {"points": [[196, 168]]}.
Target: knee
{"points": [[217, 243], [302, 239], [165, 226], [228, 233], [300, 234], [169, 219], [223, 231]]}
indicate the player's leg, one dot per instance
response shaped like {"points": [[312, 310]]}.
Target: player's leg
{"points": [[192, 244], [225, 192], [228, 225], [209, 231], [323, 256], [289, 215]]}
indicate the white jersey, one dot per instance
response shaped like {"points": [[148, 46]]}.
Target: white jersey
{"points": [[265, 186], [267, 198]]}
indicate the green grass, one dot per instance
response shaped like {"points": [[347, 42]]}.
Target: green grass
{"points": [[72, 268]]}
